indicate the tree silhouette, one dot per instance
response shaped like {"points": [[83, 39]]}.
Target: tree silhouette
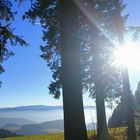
{"points": [[127, 99], [61, 24], [99, 77], [137, 94]]}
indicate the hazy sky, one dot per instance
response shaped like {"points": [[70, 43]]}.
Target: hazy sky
{"points": [[27, 76]]}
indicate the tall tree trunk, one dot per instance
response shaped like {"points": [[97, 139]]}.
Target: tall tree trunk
{"points": [[74, 121], [102, 129], [128, 106], [127, 100]]}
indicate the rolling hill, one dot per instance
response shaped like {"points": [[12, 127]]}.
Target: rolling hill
{"points": [[17, 121], [55, 126]]}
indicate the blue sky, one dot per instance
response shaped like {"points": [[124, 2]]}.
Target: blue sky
{"points": [[27, 76]]}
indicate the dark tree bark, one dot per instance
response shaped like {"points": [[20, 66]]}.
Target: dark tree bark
{"points": [[128, 107], [74, 121], [102, 129]]}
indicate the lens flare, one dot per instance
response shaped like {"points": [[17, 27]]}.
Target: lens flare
{"points": [[128, 55]]}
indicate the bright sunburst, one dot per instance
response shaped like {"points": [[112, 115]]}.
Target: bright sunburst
{"points": [[128, 55]]}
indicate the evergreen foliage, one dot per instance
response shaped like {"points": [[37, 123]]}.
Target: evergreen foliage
{"points": [[7, 133]]}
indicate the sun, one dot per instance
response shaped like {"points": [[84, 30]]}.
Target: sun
{"points": [[128, 55]]}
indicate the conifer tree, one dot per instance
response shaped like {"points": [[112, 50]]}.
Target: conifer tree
{"points": [[61, 32]]}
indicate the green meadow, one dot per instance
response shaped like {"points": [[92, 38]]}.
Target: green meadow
{"points": [[115, 134]]}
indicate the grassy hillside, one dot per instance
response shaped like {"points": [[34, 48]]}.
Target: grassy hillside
{"points": [[116, 134], [59, 136]]}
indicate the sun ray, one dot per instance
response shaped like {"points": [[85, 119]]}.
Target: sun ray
{"points": [[88, 12]]}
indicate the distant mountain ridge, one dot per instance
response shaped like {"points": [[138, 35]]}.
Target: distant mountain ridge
{"points": [[36, 107], [55, 126], [38, 119], [19, 121], [31, 107]]}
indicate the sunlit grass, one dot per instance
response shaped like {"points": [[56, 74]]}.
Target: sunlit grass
{"points": [[118, 133], [58, 136], [115, 134]]}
